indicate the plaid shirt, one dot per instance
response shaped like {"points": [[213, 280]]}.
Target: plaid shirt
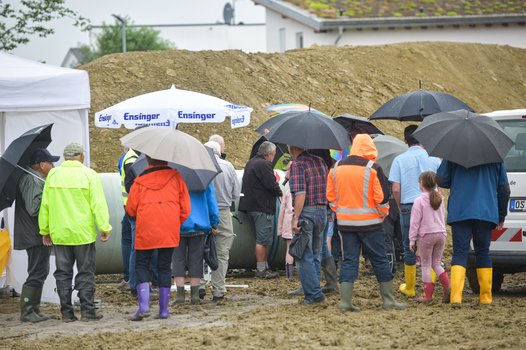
{"points": [[308, 175]]}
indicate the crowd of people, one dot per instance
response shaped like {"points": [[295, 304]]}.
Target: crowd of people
{"points": [[165, 224]]}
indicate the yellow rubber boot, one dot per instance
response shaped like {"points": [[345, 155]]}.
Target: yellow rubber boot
{"points": [[458, 276], [485, 277], [408, 288], [433, 276]]}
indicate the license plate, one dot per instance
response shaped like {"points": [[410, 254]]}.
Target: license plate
{"points": [[517, 204]]}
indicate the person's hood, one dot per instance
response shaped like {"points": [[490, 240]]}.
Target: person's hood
{"points": [[156, 179], [363, 146]]}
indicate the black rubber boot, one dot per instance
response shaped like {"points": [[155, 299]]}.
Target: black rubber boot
{"points": [[194, 295], [66, 308], [28, 301], [37, 306], [87, 305], [331, 278], [180, 296]]}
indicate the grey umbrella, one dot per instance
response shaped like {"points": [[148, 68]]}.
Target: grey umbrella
{"points": [[307, 130], [416, 105], [465, 138], [388, 148]]}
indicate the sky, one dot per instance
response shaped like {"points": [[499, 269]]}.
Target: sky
{"points": [[53, 48]]}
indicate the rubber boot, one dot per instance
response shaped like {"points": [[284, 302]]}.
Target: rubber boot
{"points": [[429, 288], [28, 302], [408, 288], [446, 287], [485, 277], [87, 305], [180, 296], [66, 308], [458, 276], [389, 302], [164, 301], [194, 295], [37, 306], [346, 291], [143, 294], [289, 271], [331, 278]]}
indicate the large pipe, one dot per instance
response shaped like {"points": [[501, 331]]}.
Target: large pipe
{"points": [[109, 257]]}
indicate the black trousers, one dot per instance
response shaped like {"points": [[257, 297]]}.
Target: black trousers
{"points": [[66, 256], [37, 266], [164, 261]]}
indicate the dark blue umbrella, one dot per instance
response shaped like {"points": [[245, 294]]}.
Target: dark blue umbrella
{"points": [[416, 105], [195, 179], [16, 157]]}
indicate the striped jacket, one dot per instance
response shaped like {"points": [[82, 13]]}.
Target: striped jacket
{"points": [[357, 189]]}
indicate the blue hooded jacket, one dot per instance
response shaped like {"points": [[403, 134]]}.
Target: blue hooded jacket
{"points": [[477, 193], [204, 214]]}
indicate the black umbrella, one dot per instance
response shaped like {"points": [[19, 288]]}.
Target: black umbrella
{"points": [[465, 138], [280, 149], [307, 130], [357, 125], [195, 179], [416, 105], [16, 157]]}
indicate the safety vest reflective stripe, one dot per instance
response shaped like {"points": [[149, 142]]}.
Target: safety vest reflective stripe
{"points": [[357, 211], [360, 222], [366, 178]]}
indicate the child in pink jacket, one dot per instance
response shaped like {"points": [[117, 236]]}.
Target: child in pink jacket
{"points": [[429, 230], [286, 212]]}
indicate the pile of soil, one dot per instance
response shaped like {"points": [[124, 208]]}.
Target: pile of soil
{"points": [[335, 80]]}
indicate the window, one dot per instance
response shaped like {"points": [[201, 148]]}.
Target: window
{"points": [[282, 40], [299, 40], [516, 158]]}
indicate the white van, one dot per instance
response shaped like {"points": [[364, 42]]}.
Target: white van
{"points": [[508, 246]]}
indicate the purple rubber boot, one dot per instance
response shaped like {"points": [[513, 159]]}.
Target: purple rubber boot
{"points": [[164, 301], [143, 294]]}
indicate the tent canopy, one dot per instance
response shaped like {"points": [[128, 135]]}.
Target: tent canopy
{"points": [[27, 85]]}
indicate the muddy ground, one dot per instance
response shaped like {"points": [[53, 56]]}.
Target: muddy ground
{"points": [[264, 316]]}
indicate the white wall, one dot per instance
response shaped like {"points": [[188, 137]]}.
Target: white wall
{"points": [[512, 35]]}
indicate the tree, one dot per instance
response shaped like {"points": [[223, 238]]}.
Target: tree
{"points": [[31, 17], [137, 39]]}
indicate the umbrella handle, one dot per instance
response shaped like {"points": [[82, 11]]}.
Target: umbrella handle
{"points": [[30, 173]]}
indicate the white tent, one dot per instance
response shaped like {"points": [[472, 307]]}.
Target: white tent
{"points": [[32, 94]]}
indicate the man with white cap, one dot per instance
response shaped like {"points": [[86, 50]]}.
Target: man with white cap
{"points": [[73, 207]]}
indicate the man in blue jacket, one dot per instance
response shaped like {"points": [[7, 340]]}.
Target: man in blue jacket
{"points": [[477, 204]]}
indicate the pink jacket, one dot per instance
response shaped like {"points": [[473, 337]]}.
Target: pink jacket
{"points": [[286, 212], [424, 219]]}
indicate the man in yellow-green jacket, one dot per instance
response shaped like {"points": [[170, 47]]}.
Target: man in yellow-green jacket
{"points": [[73, 207]]}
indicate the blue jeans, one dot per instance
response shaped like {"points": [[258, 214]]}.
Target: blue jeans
{"points": [[153, 262], [463, 232], [405, 222], [126, 244], [373, 245], [327, 232], [309, 265]]}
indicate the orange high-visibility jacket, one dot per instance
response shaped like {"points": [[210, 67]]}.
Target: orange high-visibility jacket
{"points": [[357, 189]]}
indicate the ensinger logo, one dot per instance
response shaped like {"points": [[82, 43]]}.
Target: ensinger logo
{"points": [[140, 116], [194, 115], [105, 118]]}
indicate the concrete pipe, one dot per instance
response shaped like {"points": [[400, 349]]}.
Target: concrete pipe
{"points": [[242, 254]]}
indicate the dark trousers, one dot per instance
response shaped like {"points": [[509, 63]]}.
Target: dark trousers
{"points": [[164, 260], [463, 232], [37, 266], [126, 244], [65, 258]]}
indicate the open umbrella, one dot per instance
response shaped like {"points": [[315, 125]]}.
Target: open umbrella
{"points": [[195, 179], [357, 125], [307, 130], [16, 157], [169, 107], [282, 111], [416, 105], [170, 145], [465, 138], [388, 148]]}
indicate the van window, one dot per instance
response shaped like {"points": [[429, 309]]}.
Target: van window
{"points": [[516, 158]]}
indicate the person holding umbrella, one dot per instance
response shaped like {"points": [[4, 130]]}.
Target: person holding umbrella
{"points": [[404, 174], [73, 206], [27, 236]]}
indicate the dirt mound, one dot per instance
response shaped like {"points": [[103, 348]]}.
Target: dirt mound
{"points": [[354, 80]]}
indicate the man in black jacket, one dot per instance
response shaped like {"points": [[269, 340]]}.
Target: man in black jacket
{"points": [[259, 192]]}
